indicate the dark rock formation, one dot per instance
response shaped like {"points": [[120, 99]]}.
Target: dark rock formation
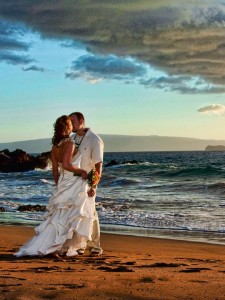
{"points": [[2, 209], [17, 160], [20, 161], [43, 160], [115, 163], [29, 207], [112, 163], [215, 148]]}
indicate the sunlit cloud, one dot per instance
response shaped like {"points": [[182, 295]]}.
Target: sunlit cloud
{"points": [[214, 109]]}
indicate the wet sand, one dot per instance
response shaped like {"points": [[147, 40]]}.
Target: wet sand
{"points": [[129, 268]]}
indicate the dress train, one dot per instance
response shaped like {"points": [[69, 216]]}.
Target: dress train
{"points": [[68, 223]]}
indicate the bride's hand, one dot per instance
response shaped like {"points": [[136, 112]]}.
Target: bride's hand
{"points": [[83, 174]]}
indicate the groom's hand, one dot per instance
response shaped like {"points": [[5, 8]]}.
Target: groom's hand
{"points": [[91, 192]]}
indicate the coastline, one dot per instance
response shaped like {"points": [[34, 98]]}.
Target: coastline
{"points": [[216, 238], [131, 267], [178, 235]]}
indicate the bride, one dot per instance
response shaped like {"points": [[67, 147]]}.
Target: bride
{"points": [[68, 222]]}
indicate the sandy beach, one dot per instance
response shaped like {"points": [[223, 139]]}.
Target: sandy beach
{"points": [[130, 268]]}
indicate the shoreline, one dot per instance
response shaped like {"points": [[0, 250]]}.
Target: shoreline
{"points": [[130, 267], [214, 238]]}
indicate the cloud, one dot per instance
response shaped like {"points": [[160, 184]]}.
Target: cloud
{"points": [[15, 59], [12, 46], [72, 44], [34, 68], [9, 43], [9, 28], [214, 109], [84, 75], [181, 38], [182, 84], [97, 67]]}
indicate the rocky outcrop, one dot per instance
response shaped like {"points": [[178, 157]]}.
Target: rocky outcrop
{"points": [[116, 163], [44, 160], [215, 148], [20, 161], [30, 207]]}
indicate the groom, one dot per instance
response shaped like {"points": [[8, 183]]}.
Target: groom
{"points": [[91, 146]]}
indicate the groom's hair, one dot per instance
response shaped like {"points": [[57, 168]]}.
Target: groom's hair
{"points": [[79, 115]]}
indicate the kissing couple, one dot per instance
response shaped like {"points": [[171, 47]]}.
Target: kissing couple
{"points": [[71, 222]]}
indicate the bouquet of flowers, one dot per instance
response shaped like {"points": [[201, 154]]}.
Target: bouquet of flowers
{"points": [[93, 178]]}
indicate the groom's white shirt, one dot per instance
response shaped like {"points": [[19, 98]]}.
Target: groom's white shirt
{"points": [[91, 149]]}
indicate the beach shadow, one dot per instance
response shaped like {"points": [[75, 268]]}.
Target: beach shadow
{"points": [[115, 269], [194, 270], [9, 257], [162, 265]]}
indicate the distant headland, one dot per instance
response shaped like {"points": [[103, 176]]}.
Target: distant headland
{"points": [[215, 148], [124, 143]]}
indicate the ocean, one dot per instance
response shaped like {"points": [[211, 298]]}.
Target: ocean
{"points": [[174, 195]]}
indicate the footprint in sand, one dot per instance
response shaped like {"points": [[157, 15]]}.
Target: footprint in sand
{"points": [[66, 286], [11, 277], [45, 269]]}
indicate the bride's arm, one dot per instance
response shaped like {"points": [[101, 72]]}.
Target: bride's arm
{"points": [[55, 171], [68, 151]]}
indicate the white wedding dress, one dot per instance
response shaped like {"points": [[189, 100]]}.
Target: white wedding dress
{"points": [[69, 219]]}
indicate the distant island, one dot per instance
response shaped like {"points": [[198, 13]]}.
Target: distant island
{"points": [[215, 148], [124, 143]]}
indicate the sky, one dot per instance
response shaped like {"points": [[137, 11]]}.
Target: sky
{"points": [[133, 67]]}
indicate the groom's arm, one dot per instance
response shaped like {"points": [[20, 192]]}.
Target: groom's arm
{"points": [[97, 155], [98, 168]]}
